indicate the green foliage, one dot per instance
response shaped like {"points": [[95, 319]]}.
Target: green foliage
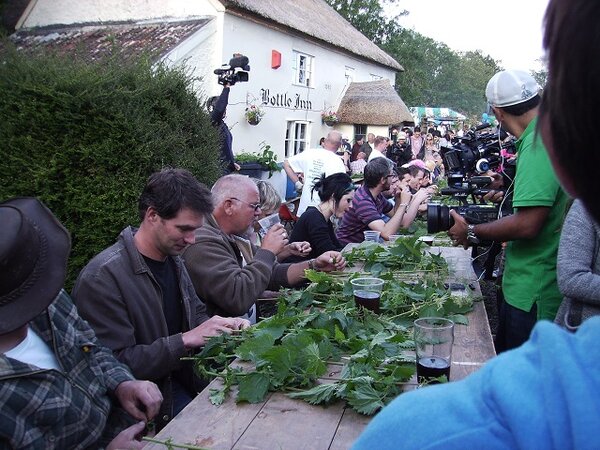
{"points": [[320, 329], [368, 16], [266, 158], [83, 137], [434, 75]]}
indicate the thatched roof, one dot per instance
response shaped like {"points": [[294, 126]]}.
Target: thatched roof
{"points": [[373, 103], [317, 19], [92, 42]]}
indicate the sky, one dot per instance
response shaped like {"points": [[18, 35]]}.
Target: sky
{"points": [[510, 31]]}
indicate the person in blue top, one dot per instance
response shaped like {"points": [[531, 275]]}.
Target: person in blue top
{"points": [[546, 393]]}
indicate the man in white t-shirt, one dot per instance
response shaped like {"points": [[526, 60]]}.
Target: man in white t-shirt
{"points": [[380, 150], [312, 163]]}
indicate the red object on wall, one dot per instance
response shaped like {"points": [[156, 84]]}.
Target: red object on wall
{"points": [[275, 59]]}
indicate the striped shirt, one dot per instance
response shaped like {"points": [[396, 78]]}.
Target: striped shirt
{"points": [[364, 210]]}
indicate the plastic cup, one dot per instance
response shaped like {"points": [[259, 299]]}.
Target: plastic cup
{"points": [[394, 238], [434, 337], [367, 292], [267, 222], [427, 240], [372, 235]]}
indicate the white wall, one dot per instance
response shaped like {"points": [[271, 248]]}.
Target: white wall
{"points": [[49, 12], [256, 41]]}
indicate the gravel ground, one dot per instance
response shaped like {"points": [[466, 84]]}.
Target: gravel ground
{"points": [[488, 289]]}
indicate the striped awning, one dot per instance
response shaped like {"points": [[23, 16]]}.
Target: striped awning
{"points": [[437, 114]]}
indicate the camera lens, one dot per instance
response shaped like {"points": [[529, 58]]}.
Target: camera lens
{"points": [[438, 218]]}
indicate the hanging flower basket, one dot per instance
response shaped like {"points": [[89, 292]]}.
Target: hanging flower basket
{"points": [[329, 118], [254, 114]]}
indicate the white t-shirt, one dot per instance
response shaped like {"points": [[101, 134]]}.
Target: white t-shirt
{"points": [[375, 154], [33, 350], [313, 162]]}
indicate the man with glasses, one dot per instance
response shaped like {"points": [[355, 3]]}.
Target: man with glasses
{"points": [[229, 272], [138, 297], [312, 163]]}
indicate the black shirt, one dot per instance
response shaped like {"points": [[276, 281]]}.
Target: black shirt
{"points": [[313, 228], [165, 274]]}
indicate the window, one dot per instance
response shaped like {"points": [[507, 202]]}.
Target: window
{"points": [[303, 70], [296, 138], [360, 130], [376, 77]]}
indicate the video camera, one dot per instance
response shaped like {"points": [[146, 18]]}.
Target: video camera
{"points": [[236, 71], [465, 161], [475, 153]]}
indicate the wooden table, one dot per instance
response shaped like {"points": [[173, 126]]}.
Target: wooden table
{"points": [[283, 423]]}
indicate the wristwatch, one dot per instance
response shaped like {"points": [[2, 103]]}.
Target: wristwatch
{"points": [[471, 237]]}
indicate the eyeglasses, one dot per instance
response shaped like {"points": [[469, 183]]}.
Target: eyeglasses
{"points": [[254, 206]]}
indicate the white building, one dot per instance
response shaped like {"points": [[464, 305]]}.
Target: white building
{"points": [[303, 56]]}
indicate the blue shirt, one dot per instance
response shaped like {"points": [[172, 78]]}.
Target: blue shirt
{"points": [[543, 395]]}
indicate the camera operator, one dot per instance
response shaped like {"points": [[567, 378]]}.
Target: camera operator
{"points": [[219, 109], [529, 284]]}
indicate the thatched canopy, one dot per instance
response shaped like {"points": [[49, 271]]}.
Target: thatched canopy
{"points": [[373, 103], [317, 19]]}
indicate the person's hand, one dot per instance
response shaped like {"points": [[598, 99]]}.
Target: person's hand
{"points": [[458, 232], [214, 326], [330, 261], [432, 189], [129, 438], [405, 196], [497, 180], [494, 196], [275, 239], [302, 248], [421, 196], [236, 167], [299, 186], [141, 399]]}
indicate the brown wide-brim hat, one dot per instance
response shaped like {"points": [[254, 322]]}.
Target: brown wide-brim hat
{"points": [[34, 249]]}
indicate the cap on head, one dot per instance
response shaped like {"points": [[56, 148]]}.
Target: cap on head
{"points": [[511, 87], [34, 248], [402, 135]]}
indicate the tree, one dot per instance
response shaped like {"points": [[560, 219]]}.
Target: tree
{"points": [[434, 74], [541, 76], [368, 17]]}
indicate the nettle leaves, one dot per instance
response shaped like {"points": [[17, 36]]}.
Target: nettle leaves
{"points": [[320, 348]]}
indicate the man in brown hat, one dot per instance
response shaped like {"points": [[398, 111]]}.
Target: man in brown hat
{"points": [[57, 381]]}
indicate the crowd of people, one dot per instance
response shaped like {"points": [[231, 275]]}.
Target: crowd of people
{"points": [[71, 366]]}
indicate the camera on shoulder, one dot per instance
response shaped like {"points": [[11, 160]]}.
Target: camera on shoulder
{"points": [[234, 72]]}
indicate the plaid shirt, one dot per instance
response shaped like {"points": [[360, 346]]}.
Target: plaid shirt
{"points": [[71, 408]]}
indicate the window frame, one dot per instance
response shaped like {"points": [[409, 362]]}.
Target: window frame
{"points": [[293, 145], [308, 70]]}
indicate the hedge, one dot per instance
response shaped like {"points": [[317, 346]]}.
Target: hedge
{"points": [[84, 136]]}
